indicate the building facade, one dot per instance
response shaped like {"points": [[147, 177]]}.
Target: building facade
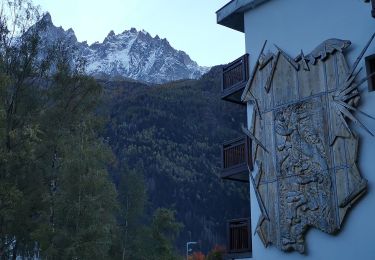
{"points": [[309, 143]]}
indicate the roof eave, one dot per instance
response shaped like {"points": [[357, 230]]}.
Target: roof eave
{"points": [[232, 14]]}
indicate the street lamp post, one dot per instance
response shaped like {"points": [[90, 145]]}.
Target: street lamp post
{"points": [[187, 248]]}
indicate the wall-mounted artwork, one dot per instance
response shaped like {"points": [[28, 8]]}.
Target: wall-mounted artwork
{"points": [[305, 173]]}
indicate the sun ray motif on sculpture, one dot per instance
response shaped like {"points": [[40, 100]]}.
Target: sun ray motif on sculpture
{"points": [[304, 151]]}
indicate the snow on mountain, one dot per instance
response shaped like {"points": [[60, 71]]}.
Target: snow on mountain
{"points": [[131, 54]]}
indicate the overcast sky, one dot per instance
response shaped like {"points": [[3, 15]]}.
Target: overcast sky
{"points": [[189, 25]]}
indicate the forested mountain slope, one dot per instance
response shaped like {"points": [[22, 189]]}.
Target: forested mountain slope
{"points": [[172, 135]]}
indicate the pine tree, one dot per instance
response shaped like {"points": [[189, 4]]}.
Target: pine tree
{"points": [[83, 199], [132, 197], [21, 174], [56, 198], [164, 230]]}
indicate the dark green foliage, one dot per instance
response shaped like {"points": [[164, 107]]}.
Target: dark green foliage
{"points": [[164, 230], [140, 236], [172, 134], [55, 186], [21, 170], [82, 199], [133, 231], [56, 198]]}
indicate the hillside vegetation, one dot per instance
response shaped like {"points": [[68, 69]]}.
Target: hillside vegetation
{"points": [[172, 134]]}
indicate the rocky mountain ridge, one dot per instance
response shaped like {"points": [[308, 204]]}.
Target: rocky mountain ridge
{"points": [[131, 54]]}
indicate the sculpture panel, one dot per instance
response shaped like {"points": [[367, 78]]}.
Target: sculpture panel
{"points": [[305, 173]]}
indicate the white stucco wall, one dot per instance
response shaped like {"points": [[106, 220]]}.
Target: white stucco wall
{"points": [[303, 24]]}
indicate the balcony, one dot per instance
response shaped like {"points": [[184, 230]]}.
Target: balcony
{"points": [[239, 239], [235, 77], [235, 159]]}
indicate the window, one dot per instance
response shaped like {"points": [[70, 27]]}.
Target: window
{"points": [[370, 68]]}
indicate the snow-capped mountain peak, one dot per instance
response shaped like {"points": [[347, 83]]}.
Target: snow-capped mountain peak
{"points": [[130, 54]]}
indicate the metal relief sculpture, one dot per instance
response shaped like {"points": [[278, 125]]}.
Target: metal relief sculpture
{"points": [[304, 152]]}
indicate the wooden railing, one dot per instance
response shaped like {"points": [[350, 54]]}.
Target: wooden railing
{"points": [[239, 239], [236, 72], [234, 152], [235, 76], [236, 159]]}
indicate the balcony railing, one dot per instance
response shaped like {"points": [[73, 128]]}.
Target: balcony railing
{"points": [[235, 159], [239, 238], [235, 76]]}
